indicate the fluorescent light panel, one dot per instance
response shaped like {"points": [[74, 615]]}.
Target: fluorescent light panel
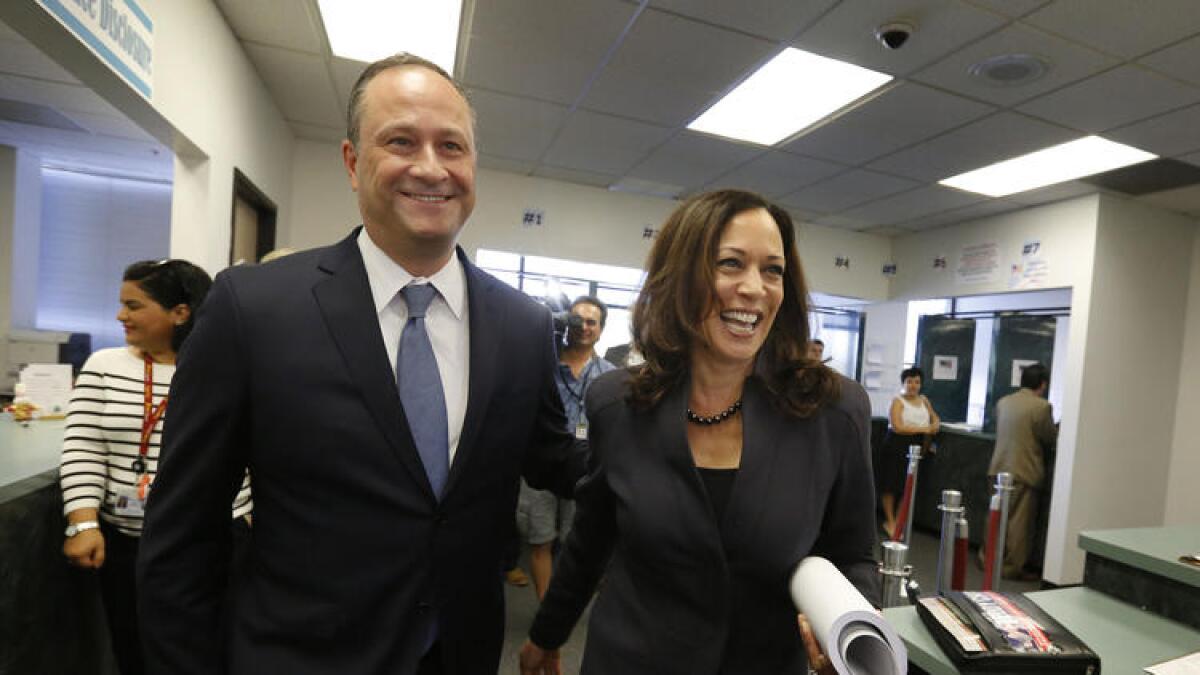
{"points": [[369, 30], [791, 92], [1056, 164]]}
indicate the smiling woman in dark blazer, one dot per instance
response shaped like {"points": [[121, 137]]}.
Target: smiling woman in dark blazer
{"points": [[716, 467]]}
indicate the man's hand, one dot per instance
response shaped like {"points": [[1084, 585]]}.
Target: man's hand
{"points": [[817, 661], [85, 549], [538, 661]]}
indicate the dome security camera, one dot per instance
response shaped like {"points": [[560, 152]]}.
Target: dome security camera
{"points": [[894, 34]]}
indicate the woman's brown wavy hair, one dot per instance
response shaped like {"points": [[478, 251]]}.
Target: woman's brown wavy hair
{"points": [[679, 292]]}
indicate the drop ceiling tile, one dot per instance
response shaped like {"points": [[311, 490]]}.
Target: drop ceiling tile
{"points": [[1010, 8], [961, 215], [848, 189], [691, 160], [299, 83], [108, 125], [842, 223], [1052, 193], [19, 57], [769, 19], [670, 69], [998, 137], [887, 230], [1185, 200], [1127, 28], [912, 204], [280, 23], [1113, 98], [316, 132], [1166, 135], [602, 143], [776, 173], [63, 97], [1067, 62], [506, 164], [545, 50], [1178, 61], [848, 32], [345, 74], [514, 127], [573, 176], [902, 116]]}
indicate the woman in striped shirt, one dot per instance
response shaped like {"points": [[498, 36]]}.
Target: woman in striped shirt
{"points": [[114, 423]]}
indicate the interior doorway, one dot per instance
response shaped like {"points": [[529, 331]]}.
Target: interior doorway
{"points": [[253, 232]]}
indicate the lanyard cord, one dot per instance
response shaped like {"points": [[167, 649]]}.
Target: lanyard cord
{"points": [[577, 395], [151, 414]]}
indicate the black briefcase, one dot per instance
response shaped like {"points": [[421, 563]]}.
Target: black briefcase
{"points": [[989, 632]]}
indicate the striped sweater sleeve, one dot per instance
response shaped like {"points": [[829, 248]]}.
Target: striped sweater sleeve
{"points": [[84, 469]]}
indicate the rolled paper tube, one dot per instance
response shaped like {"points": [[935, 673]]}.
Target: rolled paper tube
{"points": [[855, 637]]}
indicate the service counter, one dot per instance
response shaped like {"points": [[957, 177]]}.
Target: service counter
{"points": [[51, 618], [1137, 607], [1126, 638], [960, 462]]}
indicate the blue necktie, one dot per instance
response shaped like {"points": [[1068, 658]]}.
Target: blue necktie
{"points": [[421, 388]]}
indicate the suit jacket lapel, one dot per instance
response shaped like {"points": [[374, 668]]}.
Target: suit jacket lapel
{"points": [[668, 429], [486, 315], [344, 299]]}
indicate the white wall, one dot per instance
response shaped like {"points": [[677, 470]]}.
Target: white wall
{"points": [[20, 214], [1183, 499], [1117, 468], [207, 89], [884, 333], [580, 223], [1060, 228], [208, 104]]}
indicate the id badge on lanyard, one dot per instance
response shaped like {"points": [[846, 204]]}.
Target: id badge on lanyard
{"points": [[132, 501]]}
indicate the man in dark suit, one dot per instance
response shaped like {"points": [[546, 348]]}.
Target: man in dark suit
{"points": [[363, 386], [1024, 432]]}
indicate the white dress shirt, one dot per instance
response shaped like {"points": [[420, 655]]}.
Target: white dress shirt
{"points": [[446, 322]]}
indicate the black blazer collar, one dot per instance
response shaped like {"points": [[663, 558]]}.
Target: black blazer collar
{"points": [[763, 428]]}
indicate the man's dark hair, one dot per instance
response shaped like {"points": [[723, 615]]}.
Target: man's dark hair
{"points": [[595, 302], [354, 112], [1033, 375], [171, 283], [912, 372], [818, 341]]}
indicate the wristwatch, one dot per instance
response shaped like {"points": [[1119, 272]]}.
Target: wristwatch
{"points": [[75, 528]]}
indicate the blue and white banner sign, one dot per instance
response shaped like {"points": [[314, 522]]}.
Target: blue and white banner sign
{"points": [[118, 31]]}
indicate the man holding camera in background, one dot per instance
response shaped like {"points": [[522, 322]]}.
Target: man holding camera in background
{"points": [[542, 517]]}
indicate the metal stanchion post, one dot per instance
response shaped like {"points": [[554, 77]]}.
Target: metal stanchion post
{"points": [[894, 574], [951, 508], [910, 496], [959, 581], [994, 563]]}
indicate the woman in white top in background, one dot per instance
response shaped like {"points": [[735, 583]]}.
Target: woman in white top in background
{"points": [[912, 421], [110, 449]]}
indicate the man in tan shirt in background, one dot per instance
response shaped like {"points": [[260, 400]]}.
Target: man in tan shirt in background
{"points": [[1025, 430]]}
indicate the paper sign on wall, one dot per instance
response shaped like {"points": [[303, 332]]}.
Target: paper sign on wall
{"points": [[1017, 367], [945, 367], [48, 386], [978, 263]]}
